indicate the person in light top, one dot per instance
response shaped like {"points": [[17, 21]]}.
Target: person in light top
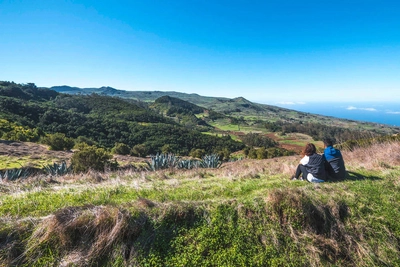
{"points": [[312, 166]]}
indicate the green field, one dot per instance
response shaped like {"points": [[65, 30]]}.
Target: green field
{"points": [[246, 213]]}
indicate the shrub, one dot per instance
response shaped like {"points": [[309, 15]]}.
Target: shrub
{"points": [[11, 131], [197, 153], [252, 153], [121, 149], [258, 140], [167, 148], [58, 141], [246, 151], [224, 154], [262, 153], [84, 139], [90, 157], [139, 151]]}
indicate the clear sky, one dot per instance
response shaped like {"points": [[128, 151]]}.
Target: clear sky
{"points": [[266, 51]]}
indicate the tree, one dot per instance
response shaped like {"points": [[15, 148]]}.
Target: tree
{"points": [[90, 158], [139, 151], [167, 148], [121, 149], [197, 153], [58, 141], [224, 154], [252, 153], [262, 153]]}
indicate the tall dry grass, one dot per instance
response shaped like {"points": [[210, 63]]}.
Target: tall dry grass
{"points": [[374, 157], [83, 234]]}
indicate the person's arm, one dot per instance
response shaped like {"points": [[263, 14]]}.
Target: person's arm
{"points": [[305, 160]]}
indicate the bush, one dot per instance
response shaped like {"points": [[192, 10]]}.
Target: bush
{"points": [[11, 131], [58, 141], [224, 154], [121, 149], [252, 154], [197, 153], [258, 140], [84, 139], [90, 158], [139, 151], [167, 148], [262, 153]]}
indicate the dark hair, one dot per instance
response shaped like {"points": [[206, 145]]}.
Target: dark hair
{"points": [[328, 141], [309, 149]]}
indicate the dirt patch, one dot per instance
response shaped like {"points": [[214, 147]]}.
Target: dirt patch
{"points": [[296, 148], [292, 147], [37, 154], [32, 150]]}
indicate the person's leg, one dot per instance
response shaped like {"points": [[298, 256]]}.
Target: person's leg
{"points": [[298, 172], [301, 170], [304, 171]]}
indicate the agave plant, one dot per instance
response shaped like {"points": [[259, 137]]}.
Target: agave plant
{"points": [[210, 161], [58, 169], [188, 164], [163, 161], [14, 174]]}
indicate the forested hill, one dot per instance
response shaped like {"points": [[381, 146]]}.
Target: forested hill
{"points": [[146, 96], [167, 124], [236, 108], [219, 104], [103, 119]]}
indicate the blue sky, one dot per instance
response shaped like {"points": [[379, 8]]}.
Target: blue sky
{"points": [[266, 51]]}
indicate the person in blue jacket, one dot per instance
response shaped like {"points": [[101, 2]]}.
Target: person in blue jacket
{"points": [[334, 166]]}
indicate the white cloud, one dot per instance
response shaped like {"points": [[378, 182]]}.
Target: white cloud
{"points": [[366, 109], [393, 112]]}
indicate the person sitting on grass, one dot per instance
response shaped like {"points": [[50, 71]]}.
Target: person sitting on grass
{"points": [[312, 166], [334, 165]]}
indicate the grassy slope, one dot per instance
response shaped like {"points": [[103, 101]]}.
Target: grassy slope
{"points": [[246, 213]]}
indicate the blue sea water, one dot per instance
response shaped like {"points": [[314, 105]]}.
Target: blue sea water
{"points": [[385, 113]]}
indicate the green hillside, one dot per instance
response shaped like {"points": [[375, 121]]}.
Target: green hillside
{"points": [[184, 112], [242, 213], [239, 108], [103, 119], [246, 213], [167, 124]]}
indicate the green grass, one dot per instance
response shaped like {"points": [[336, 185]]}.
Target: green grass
{"points": [[43, 202], [225, 125], [9, 162], [226, 217], [234, 137]]}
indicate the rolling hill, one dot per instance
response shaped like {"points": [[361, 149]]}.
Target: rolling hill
{"points": [[239, 107]]}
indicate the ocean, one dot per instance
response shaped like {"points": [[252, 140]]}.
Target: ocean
{"points": [[385, 113]]}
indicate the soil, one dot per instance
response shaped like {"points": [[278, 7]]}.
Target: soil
{"points": [[293, 147], [37, 152], [32, 150]]}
